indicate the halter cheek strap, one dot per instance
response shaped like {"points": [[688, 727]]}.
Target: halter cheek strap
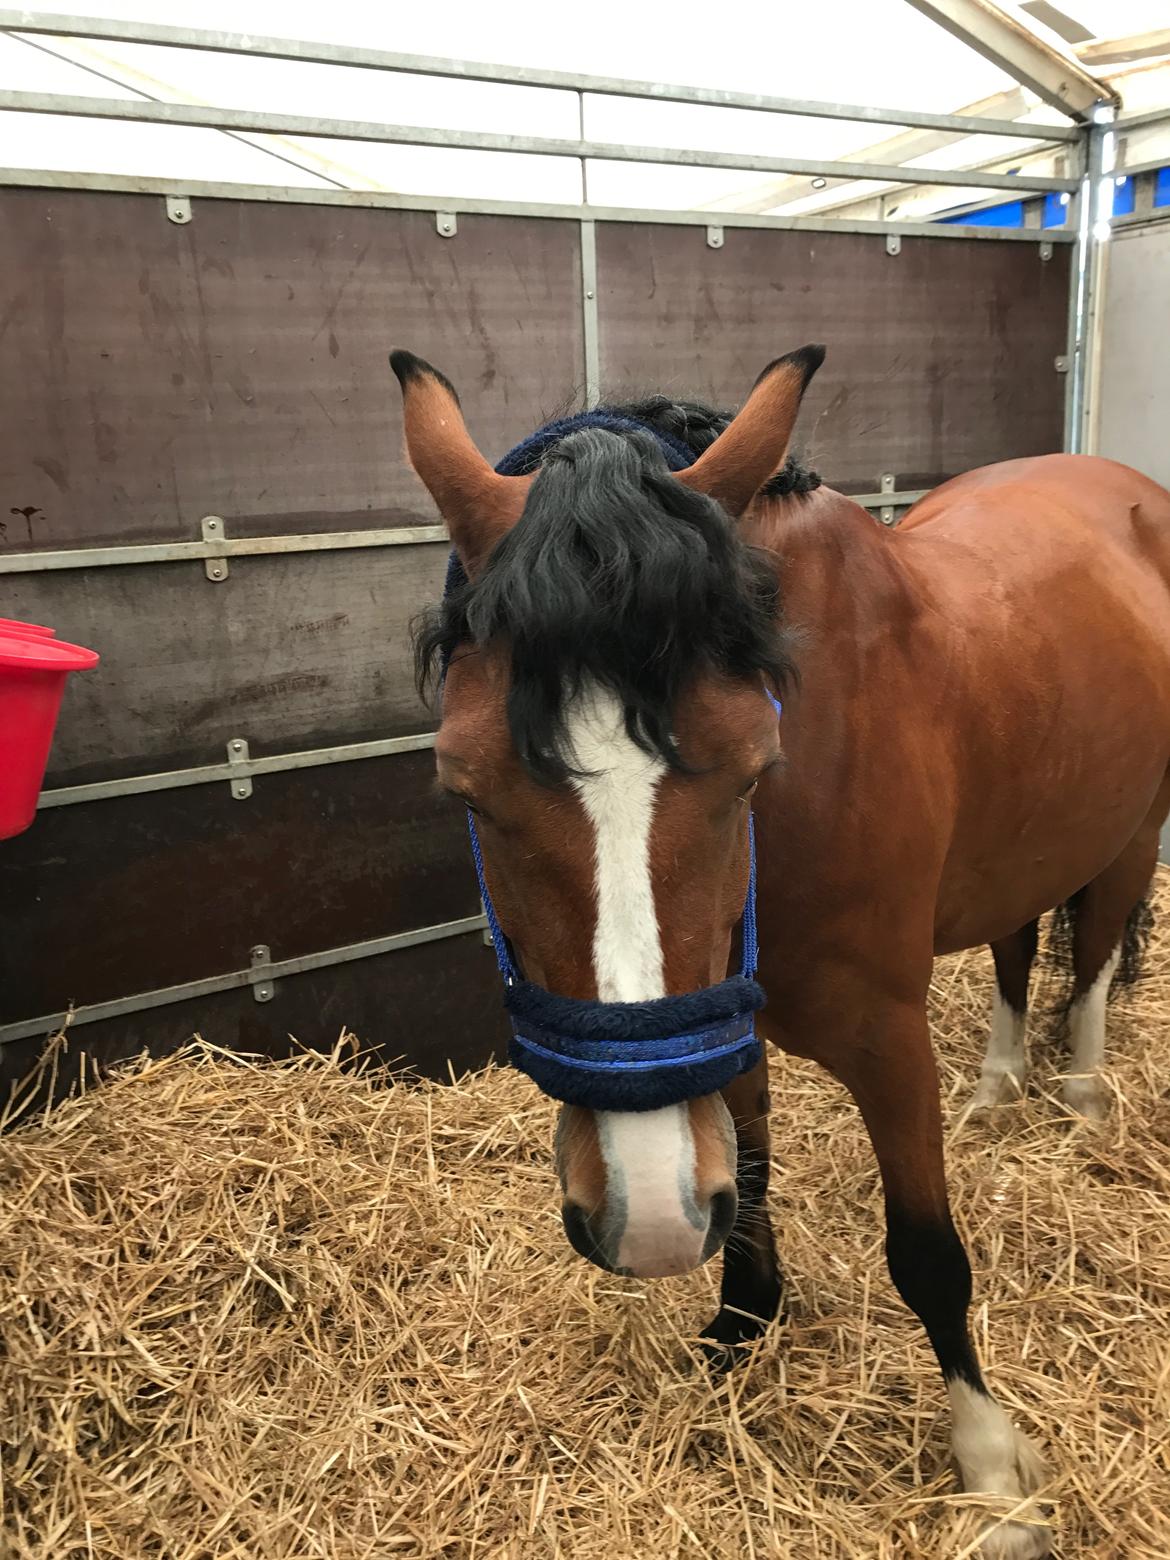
{"points": [[503, 947], [627, 1056], [632, 1056]]}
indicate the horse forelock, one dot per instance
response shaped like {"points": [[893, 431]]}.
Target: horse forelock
{"points": [[616, 576]]}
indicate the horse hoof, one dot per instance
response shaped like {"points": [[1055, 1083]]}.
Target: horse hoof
{"points": [[1016, 1541], [721, 1357], [725, 1342], [1086, 1097], [997, 1088]]}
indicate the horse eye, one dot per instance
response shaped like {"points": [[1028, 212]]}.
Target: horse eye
{"points": [[464, 801]]}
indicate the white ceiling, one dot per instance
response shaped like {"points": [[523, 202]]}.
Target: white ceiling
{"points": [[865, 51]]}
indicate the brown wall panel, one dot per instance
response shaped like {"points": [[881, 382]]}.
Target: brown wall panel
{"points": [[104, 899], [294, 651], [427, 1006], [941, 358], [151, 374]]}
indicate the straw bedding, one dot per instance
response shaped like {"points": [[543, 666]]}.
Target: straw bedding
{"points": [[282, 1311]]}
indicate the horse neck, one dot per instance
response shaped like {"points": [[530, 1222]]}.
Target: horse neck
{"points": [[827, 549]]}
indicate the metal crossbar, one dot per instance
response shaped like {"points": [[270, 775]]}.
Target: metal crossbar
{"points": [[200, 116], [110, 31]]}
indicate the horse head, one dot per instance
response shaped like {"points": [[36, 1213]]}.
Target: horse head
{"points": [[610, 651]]}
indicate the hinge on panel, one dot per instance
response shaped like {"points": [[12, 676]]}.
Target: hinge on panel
{"points": [[893, 243], [178, 209], [262, 984], [237, 752], [1046, 250], [887, 513], [714, 237], [445, 224], [214, 530]]}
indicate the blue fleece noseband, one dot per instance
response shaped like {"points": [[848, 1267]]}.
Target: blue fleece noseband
{"points": [[624, 1055]]}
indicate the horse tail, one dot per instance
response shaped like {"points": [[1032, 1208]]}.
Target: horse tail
{"points": [[1135, 941]]}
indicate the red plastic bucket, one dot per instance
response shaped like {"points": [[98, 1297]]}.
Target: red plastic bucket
{"points": [[33, 670], [26, 630]]}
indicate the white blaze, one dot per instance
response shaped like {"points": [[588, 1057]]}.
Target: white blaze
{"points": [[649, 1155], [618, 788]]}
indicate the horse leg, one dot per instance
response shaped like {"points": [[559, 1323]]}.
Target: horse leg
{"points": [[889, 1068], [1109, 923], [1006, 1062], [753, 1284]]}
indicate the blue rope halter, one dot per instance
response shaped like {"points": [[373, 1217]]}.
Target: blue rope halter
{"points": [[624, 1055]]}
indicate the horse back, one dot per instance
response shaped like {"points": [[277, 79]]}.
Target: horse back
{"points": [[1069, 495]]}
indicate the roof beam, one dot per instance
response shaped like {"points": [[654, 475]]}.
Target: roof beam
{"points": [[854, 198], [1121, 51], [250, 45], [202, 116], [903, 148], [999, 38]]}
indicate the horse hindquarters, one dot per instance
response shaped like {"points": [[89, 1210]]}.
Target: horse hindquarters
{"points": [[1100, 932], [1110, 920]]}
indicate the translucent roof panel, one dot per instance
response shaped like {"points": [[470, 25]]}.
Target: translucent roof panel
{"points": [[895, 57], [789, 53]]}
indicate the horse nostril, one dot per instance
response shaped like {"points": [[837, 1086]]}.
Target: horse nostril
{"points": [[724, 1207], [576, 1222]]}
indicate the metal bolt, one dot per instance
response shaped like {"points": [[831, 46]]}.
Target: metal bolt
{"points": [[216, 572], [241, 790], [213, 525], [237, 747], [588, 295]]}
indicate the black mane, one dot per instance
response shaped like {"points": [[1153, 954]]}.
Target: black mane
{"points": [[618, 574]]}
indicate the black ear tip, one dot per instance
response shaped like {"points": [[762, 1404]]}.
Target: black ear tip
{"points": [[806, 359], [407, 367]]}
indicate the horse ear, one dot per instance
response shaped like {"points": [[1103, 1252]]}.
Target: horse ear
{"points": [[479, 505], [754, 444]]}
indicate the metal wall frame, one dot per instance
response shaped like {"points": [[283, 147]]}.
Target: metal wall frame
{"points": [[111, 31], [260, 975], [297, 195], [194, 116]]}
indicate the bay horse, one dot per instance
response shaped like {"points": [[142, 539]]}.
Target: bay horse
{"points": [[975, 729]]}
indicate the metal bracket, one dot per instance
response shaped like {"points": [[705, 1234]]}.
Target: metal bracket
{"points": [[714, 238], [262, 984], [887, 512], [178, 209], [1060, 364], [1046, 251], [893, 243], [213, 529], [241, 785], [445, 224]]}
